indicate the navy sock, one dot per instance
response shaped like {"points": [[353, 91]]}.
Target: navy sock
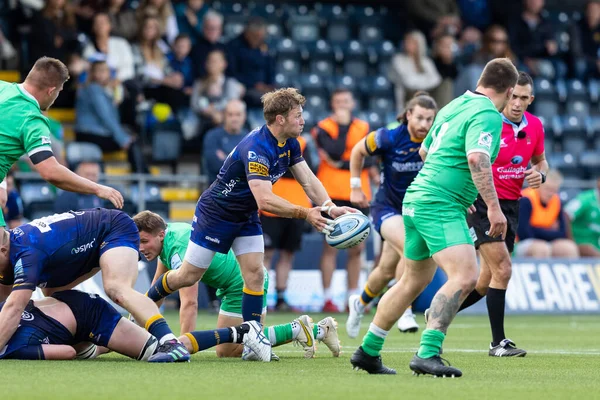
{"points": [[471, 299], [202, 340], [160, 289], [157, 326], [252, 305], [495, 304]]}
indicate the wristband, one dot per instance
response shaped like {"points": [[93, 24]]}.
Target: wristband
{"points": [[300, 212], [355, 183], [543, 176], [327, 202]]}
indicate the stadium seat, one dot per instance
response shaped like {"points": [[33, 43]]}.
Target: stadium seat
{"points": [[594, 90], [304, 28], [255, 117], [377, 86], [229, 9], [233, 26], [274, 31], [319, 50], [287, 48], [338, 31], [316, 103], [38, 199], [573, 125], [288, 66], [382, 50], [166, 145], [546, 108], [579, 108], [574, 145], [549, 145], [567, 194], [283, 80], [576, 91], [329, 12], [591, 162], [363, 15], [375, 119], [382, 104], [322, 67], [266, 10], [151, 193], [370, 34], [544, 90], [566, 163], [78, 152], [357, 68], [561, 90], [312, 85]]}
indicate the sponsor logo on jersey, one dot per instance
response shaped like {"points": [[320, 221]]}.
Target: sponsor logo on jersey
{"points": [[46, 140], [408, 166], [175, 261], [285, 154], [408, 211], [516, 160], [18, 232], [503, 143], [46, 340], [83, 248], [275, 178], [258, 169], [18, 269], [27, 316], [103, 244], [473, 234], [485, 139], [252, 156], [211, 239], [228, 188]]}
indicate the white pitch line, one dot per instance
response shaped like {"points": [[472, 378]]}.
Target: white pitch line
{"points": [[446, 350]]}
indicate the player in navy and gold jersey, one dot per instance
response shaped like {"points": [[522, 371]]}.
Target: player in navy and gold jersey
{"points": [[401, 162], [62, 250], [227, 212]]}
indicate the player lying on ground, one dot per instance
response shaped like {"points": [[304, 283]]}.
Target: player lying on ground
{"points": [[399, 152], [73, 324], [458, 152], [226, 215], [60, 251], [168, 243]]}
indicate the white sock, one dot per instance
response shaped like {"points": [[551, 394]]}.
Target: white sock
{"points": [[272, 335], [320, 333], [352, 292], [377, 331], [168, 336], [326, 294], [295, 329]]}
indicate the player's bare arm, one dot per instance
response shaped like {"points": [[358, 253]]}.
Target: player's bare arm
{"points": [[481, 173], [188, 311], [11, 314], [316, 192], [357, 162], [55, 173], [539, 168], [270, 202]]}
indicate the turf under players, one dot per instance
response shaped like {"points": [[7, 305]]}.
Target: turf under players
{"points": [[73, 324], [60, 251], [24, 130], [169, 242], [400, 160], [226, 214], [462, 143], [522, 141]]}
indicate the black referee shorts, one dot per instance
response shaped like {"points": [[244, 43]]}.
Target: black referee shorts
{"points": [[282, 233], [479, 223]]}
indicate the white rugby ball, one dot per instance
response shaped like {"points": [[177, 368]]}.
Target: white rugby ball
{"points": [[349, 230]]}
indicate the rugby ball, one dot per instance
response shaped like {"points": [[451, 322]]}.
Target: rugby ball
{"points": [[349, 230]]}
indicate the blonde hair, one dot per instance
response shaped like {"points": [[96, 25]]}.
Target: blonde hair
{"points": [[280, 102], [150, 222]]}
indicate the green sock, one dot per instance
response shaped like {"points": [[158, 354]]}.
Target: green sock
{"points": [[279, 334], [373, 340], [431, 343], [316, 332]]}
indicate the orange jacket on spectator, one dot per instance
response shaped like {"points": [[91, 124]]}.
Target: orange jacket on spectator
{"points": [[336, 180], [547, 216], [288, 188]]}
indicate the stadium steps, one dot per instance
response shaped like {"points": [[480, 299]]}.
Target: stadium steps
{"points": [[117, 169], [62, 115], [10, 76], [115, 156], [179, 211], [179, 194]]}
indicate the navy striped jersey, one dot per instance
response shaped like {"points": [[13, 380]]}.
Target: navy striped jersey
{"points": [[400, 162]]}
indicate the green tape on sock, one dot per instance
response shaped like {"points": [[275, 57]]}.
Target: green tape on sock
{"points": [[431, 343], [372, 344]]}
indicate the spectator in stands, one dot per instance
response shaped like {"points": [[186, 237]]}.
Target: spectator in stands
{"points": [[412, 70], [97, 118], [122, 20], [435, 17], [13, 209], [220, 141], [532, 39], [190, 15], [53, 31], [443, 57], [213, 91], [158, 80], [211, 39], [585, 42], [180, 61], [8, 54], [85, 11], [67, 201], [117, 51], [251, 63], [495, 45], [542, 227], [335, 137], [584, 214], [476, 13], [162, 10]]}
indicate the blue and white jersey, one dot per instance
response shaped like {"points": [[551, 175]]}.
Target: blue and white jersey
{"points": [[400, 163], [258, 156], [54, 251]]}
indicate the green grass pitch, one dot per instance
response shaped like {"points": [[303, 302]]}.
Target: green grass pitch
{"points": [[563, 362]]}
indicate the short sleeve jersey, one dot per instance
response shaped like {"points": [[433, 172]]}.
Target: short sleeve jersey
{"points": [[258, 156], [400, 161], [222, 267], [584, 212], [53, 251], [23, 128], [469, 124]]}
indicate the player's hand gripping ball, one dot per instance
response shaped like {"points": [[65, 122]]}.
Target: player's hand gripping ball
{"points": [[349, 230]]}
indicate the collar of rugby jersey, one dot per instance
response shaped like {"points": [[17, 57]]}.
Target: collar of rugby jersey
{"points": [[26, 93], [516, 128]]}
